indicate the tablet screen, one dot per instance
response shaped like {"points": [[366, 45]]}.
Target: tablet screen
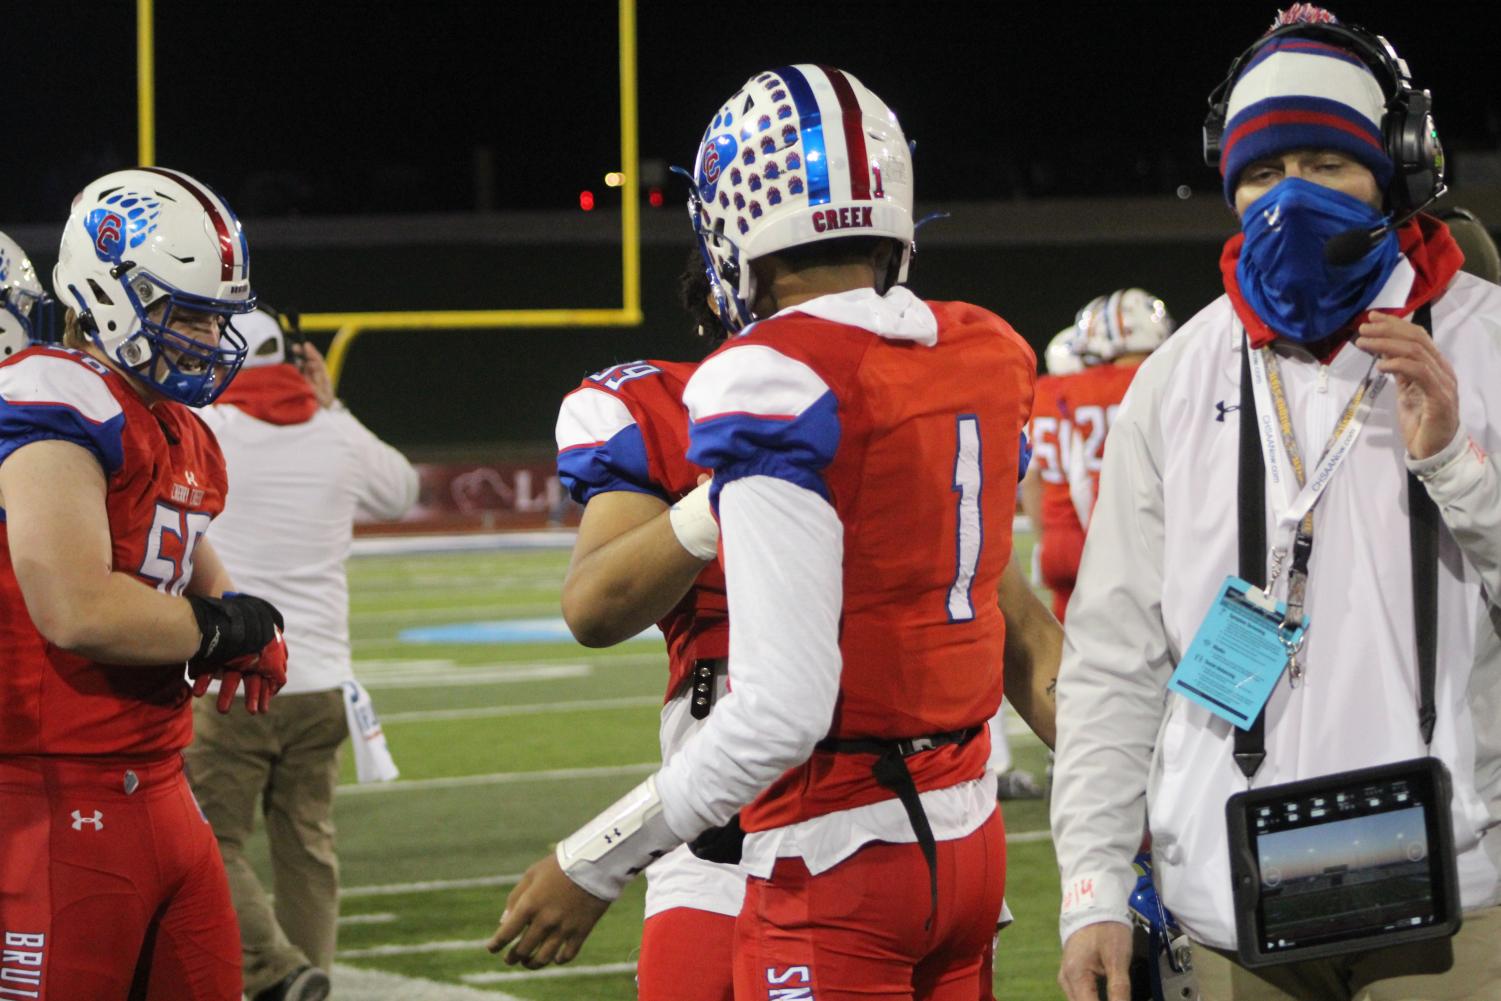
{"points": [[1341, 864]]}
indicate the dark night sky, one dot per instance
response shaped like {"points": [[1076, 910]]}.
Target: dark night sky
{"points": [[335, 106]]}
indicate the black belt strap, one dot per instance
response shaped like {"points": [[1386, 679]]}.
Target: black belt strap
{"points": [[1423, 521], [890, 770]]}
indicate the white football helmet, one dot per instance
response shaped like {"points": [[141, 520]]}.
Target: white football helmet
{"points": [[20, 297], [1127, 321], [1062, 355], [147, 236], [798, 155]]}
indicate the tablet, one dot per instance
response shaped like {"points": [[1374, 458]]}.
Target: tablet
{"points": [[1344, 863]]}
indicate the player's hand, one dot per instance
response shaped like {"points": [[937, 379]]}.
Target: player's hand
{"points": [[262, 674], [550, 913], [232, 626], [310, 363], [1102, 949], [1427, 388]]}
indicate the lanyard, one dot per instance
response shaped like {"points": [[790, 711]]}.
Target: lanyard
{"points": [[1300, 491]]}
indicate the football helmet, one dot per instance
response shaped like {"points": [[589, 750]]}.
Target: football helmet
{"points": [[1127, 321], [145, 238], [798, 155], [1162, 961], [1062, 356], [21, 297]]}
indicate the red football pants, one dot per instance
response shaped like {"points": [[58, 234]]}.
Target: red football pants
{"points": [[1059, 564], [685, 956], [109, 895], [855, 932]]}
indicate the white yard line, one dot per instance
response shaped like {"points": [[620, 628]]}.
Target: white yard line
{"points": [[548, 973], [465, 676], [428, 886], [497, 778], [354, 984], [414, 948], [366, 919], [392, 545], [535, 708]]}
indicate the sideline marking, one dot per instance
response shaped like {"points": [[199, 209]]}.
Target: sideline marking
{"points": [[496, 778], [352, 983], [535, 708], [549, 972]]}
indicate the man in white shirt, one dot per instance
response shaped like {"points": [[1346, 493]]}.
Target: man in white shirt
{"points": [[1305, 128], [301, 470]]}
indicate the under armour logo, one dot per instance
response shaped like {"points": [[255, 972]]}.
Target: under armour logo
{"points": [[97, 820], [192, 480], [1223, 410], [1273, 216]]}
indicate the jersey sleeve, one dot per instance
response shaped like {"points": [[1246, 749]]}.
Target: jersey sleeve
{"points": [[46, 397], [600, 447], [754, 411]]}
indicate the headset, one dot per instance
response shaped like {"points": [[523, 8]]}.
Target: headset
{"points": [[1407, 127]]}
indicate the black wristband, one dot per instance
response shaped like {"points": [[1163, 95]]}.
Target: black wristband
{"points": [[232, 626]]}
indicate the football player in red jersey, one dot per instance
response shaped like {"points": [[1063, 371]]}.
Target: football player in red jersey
{"points": [[110, 879], [1045, 497], [850, 432], [1112, 335]]}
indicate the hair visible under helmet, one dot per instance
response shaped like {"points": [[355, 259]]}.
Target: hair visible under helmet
{"points": [[1301, 92], [799, 155], [145, 238]]}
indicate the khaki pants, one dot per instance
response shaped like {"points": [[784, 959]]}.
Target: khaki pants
{"points": [[286, 761], [1419, 972]]}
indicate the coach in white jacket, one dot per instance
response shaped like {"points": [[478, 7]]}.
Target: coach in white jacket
{"points": [[301, 470], [1303, 159]]}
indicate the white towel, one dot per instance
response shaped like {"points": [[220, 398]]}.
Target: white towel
{"points": [[372, 758]]}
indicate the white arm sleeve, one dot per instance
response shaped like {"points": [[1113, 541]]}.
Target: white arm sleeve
{"points": [[386, 487], [783, 551], [1112, 680]]}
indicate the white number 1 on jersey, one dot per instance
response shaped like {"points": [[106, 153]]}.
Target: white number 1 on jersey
{"points": [[971, 534]]}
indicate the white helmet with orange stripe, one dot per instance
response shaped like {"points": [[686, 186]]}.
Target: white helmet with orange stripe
{"points": [[1127, 321], [141, 244], [798, 155]]}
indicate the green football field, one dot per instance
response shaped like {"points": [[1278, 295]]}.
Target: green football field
{"points": [[505, 747]]}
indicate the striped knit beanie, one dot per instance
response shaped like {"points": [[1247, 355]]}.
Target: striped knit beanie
{"points": [[1301, 92]]}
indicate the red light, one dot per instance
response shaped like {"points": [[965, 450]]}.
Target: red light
{"points": [[586, 201], [654, 198]]}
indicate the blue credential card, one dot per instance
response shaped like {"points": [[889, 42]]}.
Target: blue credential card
{"points": [[1237, 655]]}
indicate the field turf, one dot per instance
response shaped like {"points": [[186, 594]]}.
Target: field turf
{"points": [[506, 747]]}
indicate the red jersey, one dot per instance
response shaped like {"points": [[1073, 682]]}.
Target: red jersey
{"points": [[1050, 433], [165, 481], [1089, 401], [626, 429], [916, 446]]}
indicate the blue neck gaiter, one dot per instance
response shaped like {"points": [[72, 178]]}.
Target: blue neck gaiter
{"points": [[1281, 270]]}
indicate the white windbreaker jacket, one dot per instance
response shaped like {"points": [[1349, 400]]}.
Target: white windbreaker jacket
{"points": [[1164, 537]]}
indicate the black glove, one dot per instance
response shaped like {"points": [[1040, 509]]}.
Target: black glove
{"points": [[232, 626], [720, 844]]}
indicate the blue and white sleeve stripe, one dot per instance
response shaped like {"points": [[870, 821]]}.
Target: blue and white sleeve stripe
{"points": [[757, 412], [600, 447]]}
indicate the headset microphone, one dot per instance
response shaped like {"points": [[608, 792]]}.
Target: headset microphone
{"points": [[1351, 245]]}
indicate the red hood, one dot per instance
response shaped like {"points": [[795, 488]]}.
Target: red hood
{"points": [[276, 394]]}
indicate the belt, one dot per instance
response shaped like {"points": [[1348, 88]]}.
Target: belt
{"points": [[891, 772]]}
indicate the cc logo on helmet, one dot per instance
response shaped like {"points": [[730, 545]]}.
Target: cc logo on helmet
{"points": [[108, 230], [717, 151]]}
